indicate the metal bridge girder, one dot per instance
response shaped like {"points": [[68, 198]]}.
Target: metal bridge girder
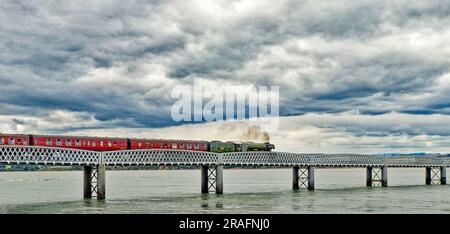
{"points": [[64, 156]]}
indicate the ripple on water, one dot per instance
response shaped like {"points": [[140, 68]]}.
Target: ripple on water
{"points": [[246, 191]]}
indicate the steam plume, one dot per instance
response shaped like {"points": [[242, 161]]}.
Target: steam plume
{"points": [[254, 133]]}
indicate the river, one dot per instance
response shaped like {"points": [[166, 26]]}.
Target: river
{"points": [[245, 191]]}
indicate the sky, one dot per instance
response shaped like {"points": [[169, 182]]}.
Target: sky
{"points": [[360, 76]]}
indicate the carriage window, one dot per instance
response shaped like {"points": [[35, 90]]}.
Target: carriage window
{"points": [[18, 141], [94, 143], [181, 146], [101, 143], [174, 146], [25, 142], [58, 142], [89, 143], [109, 143], [84, 143], [1, 141], [196, 146], [189, 146], [78, 143], [115, 143], [139, 144], [68, 142]]}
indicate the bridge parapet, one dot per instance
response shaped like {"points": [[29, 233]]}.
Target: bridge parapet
{"points": [[430, 161], [293, 159], [345, 160], [408, 161], [47, 155], [446, 161], [265, 158], [65, 156], [401, 161], [157, 157]]}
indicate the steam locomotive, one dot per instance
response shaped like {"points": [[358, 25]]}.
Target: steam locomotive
{"points": [[111, 144]]}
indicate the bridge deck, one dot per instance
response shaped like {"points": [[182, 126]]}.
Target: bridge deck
{"points": [[64, 156]]}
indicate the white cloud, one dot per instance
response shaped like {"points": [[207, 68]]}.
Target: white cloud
{"points": [[313, 133], [107, 64], [56, 121]]}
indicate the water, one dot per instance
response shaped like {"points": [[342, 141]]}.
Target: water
{"points": [[246, 191]]}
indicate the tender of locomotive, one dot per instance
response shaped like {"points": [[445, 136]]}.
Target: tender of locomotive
{"points": [[111, 144]]}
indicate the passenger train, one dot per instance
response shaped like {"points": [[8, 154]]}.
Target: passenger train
{"points": [[111, 144]]}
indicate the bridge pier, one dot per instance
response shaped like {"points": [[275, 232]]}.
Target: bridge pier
{"points": [[436, 175], [384, 176], [443, 176], [94, 178], [428, 175], [303, 178], [101, 179], [376, 176], [295, 178], [310, 178], [219, 179], [204, 178], [369, 177], [87, 181], [211, 178]]}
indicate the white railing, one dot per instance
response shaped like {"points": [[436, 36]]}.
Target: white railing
{"points": [[155, 156], [64, 156], [47, 155]]}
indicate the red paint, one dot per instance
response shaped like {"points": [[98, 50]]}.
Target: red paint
{"points": [[169, 144], [86, 143], [100, 143], [14, 139]]}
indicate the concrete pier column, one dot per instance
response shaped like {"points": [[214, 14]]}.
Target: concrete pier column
{"points": [[295, 178], [443, 175], [384, 176], [310, 178], [428, 175], [204, 178], [87, 182], [219, 179], [101, 181], [369, 176]]}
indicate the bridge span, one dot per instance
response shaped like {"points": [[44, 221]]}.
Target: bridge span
{"points": [[94, 164]]}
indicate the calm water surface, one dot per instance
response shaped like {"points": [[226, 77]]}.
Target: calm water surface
{"points": [[246, 191]]}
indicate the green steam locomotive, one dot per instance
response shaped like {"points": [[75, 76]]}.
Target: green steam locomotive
{"points": [[229, 146]]}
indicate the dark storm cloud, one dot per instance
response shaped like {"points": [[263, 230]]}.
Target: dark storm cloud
{"points": [[117, 62]]}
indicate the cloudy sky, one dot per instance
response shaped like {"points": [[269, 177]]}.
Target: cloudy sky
{"points": [[360, 76]]}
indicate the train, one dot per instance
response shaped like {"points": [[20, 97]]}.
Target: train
{"points": [[112, 144]]}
